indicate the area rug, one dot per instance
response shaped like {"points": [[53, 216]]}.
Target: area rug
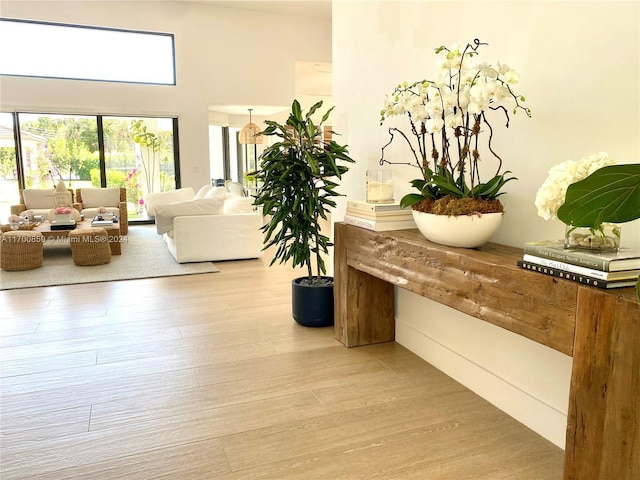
{"points": [[144, 255]]}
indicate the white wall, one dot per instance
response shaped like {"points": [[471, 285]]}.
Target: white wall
{"points": [[579, 65], [224, 56]]}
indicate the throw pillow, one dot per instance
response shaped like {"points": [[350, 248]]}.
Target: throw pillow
{"points": [[234, 205], [202, 192], [235, 188], [166, 213], [97, 197], [216, 192], [160, 198], [38, 199]]}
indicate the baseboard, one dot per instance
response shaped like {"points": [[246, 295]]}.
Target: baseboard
{"points": [[524, 407]]}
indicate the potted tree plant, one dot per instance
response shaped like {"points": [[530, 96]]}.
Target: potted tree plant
{"points": [[298, 178]]}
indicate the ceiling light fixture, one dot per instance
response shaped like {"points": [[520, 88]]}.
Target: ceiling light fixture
{"points": [[249, 133]]}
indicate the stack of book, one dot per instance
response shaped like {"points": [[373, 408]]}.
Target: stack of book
{"points": [[602, 270], [100, 221], [380, 217]]}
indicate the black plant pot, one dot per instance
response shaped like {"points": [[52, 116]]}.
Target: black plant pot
{"points": [[312, 305]]}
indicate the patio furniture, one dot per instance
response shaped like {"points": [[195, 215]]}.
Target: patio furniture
{"points": [[114, 200], [21, 250], [113, 234], [40, 201], [90, 246]]}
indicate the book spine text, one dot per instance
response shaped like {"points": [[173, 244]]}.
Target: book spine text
{"points": [[378, 226], [569, 267], [566, 257], [584, 279]]}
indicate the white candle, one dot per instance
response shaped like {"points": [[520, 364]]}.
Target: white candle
{"points": [[379, 186]]}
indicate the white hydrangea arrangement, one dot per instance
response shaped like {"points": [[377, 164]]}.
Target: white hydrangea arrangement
{"points": [[551, 194], [447, 116]]}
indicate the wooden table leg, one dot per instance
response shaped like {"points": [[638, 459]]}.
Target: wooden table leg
{"points": [[363, 304], [603, 425]]}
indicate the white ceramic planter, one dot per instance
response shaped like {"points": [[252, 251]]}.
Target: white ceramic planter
{"points": [[467, 231]]}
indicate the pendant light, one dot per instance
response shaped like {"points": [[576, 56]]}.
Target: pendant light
{"points": [[248, 134]]}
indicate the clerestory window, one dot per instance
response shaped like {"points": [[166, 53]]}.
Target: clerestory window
{"points": [[81, 52]]}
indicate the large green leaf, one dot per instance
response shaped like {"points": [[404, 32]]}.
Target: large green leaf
{"points": [[610, 194], [492, 188], [447, 184], [410, 199], [296, 110], [313, 109], [325, 117]]}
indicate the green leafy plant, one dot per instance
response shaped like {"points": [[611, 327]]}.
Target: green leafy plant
{"points": [[448, 115], [552, 194], [250, 178], [298, 178], [149, 143], [609, 195]]}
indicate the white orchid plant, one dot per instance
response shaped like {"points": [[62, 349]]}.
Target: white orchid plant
{"points": [[447, 116]]}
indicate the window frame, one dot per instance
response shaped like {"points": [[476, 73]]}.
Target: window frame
{"points": [[108, 29]]}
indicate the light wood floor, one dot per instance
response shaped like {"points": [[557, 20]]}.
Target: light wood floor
{"points": [[208, 377]]}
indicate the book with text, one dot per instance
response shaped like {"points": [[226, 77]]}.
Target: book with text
{"points": [[584, 279], [624, 259], [379, 225], [569, 267], [385, 216], [360, 206]]}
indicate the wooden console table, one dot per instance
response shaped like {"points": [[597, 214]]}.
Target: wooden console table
{"points": [[600, 329]]}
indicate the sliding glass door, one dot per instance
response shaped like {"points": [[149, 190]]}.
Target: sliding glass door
{"points": [[58, 147], [138, 153]]}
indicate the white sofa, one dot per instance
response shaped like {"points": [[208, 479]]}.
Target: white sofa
{"points": [[210, 228], [209, 238]]}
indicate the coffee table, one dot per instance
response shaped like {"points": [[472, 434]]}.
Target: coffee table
{"points": [[113, 234]]}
